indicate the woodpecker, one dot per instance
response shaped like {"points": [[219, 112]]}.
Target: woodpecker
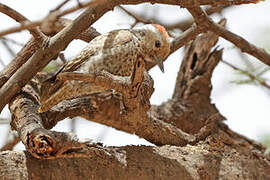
{"points": [[116, 53]]}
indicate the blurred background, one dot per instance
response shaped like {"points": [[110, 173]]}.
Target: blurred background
{"points": [[244, 101]]}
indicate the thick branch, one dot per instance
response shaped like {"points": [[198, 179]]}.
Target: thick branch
{"points": [[211, 159], [166, 124], [29, 49], [25, 53], [54, 45], [61, 40]]}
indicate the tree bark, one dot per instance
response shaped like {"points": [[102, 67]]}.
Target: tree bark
{"points": [[214, 158], [192, 142]]}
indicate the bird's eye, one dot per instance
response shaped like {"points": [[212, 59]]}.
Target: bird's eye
{"points": [[157, 43]]}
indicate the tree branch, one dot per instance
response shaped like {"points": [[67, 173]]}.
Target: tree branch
{"points": [[55, 45], [182, 25], [182, 3], [255, 78], [50, 49], [60, 5], [29, 49], [211, 159], [204, 21], [21, 19], [30, 25], [165, 124], [188, 118]]}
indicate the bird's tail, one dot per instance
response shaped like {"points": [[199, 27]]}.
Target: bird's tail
{"points": [[69, 90], [63, 93]]}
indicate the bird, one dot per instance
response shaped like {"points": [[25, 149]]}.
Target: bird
{"points": [[114, 52]]}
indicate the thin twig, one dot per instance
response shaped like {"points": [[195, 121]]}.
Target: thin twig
{"points": [[250, 75], [53, 47], [182, 25], [12, 41], [18, 28], [135, 17], [207, 23], [29, 49], [60, 5], [23, 75], [30, 25], [86, 4], [4, 120], [185, 37], [9, 49], [2, 63], [21, 19]]}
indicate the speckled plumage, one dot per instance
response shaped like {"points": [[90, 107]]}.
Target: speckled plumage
{"points": [[114, 52]]}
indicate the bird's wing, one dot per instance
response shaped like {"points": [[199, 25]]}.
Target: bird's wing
{"points": [[103, 42]]}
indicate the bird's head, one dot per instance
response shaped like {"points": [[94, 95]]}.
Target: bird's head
{"points": [[156, 43]]}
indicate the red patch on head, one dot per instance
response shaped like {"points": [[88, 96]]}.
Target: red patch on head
{"points": [[161, 29]]}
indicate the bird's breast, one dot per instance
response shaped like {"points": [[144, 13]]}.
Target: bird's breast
{"points": [[118, 61]]}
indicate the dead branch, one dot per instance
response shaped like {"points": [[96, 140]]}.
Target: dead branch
{"points": [[12, 41], [53, 47], [29, 25], [156, 124], [25, 53], [172, 2], [182, 25], [60, 5], [21, 19], [28, 50], [185, 119], [203, 20], [28, 123], [215, 158], [8, 48], [26, 25], [249, 74]]}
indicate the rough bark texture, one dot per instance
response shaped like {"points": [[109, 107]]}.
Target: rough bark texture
{"points": [[195, 142], [192, 140], [209, 159]]}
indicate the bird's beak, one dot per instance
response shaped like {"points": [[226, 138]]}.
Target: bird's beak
{"points": [[159, 62]]}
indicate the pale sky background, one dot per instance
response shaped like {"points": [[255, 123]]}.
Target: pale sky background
{"points": [[246, 107]]}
